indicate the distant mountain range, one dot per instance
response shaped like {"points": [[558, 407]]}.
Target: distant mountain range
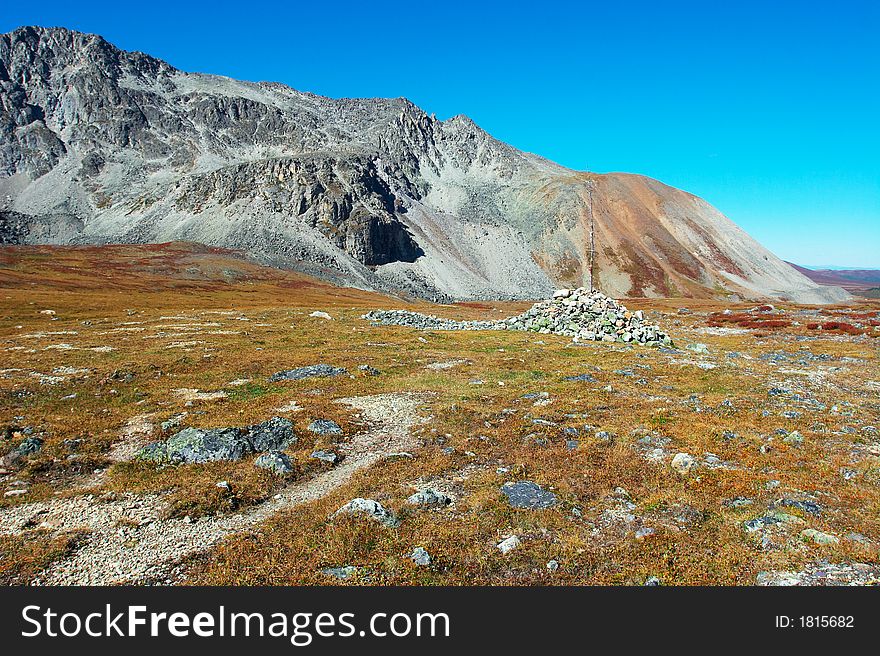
{"points": [[855, 281], [98, 145]]}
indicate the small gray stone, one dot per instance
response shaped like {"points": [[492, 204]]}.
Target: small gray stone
{"points": [[341, 573], [420, 557], [311, 371], [429, 498], [325, 427], [509, 544], [275, 461], [368, 508], [326, 456]]}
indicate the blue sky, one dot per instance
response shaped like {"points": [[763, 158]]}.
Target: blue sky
{"points": [[768, 110]]}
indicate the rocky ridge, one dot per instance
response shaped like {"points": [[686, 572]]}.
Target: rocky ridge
{"points": [[99, 145], [580, 314]]}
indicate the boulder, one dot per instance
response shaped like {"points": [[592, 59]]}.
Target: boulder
{"points": [[273, 434], [200, 445], [370, 509], [526, 494]]}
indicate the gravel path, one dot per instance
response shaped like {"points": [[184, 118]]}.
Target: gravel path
{"points": [[130, 541]]}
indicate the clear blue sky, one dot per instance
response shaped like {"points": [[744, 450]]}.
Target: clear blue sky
{"points": [[768, 110]]}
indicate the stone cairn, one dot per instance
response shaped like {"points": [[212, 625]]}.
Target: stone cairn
{"points": [[580, 314]]}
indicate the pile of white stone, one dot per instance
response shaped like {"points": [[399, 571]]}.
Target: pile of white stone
{"points": [[580, 314], [588, 317]]}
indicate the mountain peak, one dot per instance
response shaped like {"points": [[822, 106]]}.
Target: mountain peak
{"points": [[106, 145]]}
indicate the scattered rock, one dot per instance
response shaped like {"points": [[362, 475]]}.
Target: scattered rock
{"points": [[580, 378], [368, 508], [810, 507]]}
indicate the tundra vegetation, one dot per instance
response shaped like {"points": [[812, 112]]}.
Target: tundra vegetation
{"points": [[746, 451]]}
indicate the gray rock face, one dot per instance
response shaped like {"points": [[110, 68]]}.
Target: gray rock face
{"points": [[526, 494], [101, 145], [275, 461], [311, 371]]}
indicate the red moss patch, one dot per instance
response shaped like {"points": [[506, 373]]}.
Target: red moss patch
{"points": [[837, 326], [744, 320]]}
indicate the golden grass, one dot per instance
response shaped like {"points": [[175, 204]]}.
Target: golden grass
{"points": [[127, 298]]}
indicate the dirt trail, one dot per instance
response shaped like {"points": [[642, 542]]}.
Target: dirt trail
{"points": [[129, 540]]}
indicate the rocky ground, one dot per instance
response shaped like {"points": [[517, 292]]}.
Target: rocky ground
{"points": [[171, 418]]}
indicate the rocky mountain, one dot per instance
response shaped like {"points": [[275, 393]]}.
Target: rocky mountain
{"points": [[99, 145]]}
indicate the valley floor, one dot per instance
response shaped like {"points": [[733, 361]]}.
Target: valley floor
{"points": [[104, 350]]}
